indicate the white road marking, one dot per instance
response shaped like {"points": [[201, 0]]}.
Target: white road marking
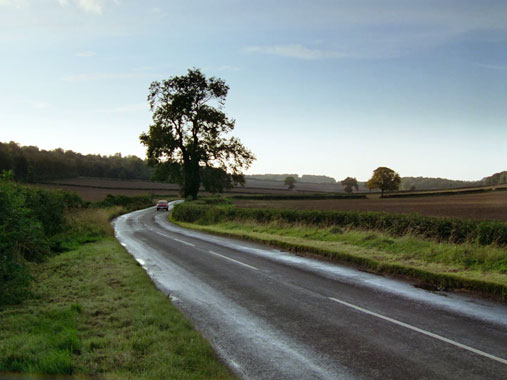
{"points": [[236, 261], [439, 337], [184, 242]]}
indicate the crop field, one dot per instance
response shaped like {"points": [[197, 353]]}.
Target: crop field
{"points": [[95, 189], [487, 206]]}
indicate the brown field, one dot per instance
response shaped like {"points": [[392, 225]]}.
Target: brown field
{"points": [[487, 206], [97, 194], [96, 189]]}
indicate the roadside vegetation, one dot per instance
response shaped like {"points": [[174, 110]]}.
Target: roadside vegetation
{"points": [[443, 253], [67, 307]]}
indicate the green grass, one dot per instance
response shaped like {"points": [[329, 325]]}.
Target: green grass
{"points": [[444, 265], [94, 311]]}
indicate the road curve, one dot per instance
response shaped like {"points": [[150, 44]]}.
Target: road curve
{"points": [[274, 315]]}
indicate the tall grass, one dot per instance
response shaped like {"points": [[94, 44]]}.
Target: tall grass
{"points": [[36, 223], [450, 230]]}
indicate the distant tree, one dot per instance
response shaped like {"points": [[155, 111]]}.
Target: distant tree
{"points": [[349, 183], [384, 179], [188, 128], [412, 188], [290, 182]]}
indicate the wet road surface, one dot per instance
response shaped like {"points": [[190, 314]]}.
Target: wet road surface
{"points": [[274, 315]]}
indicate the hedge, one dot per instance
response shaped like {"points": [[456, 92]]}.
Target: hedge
{"points": [[451, 230]]}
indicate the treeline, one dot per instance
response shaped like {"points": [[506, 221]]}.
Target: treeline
{"points": [[31, 164], [309, 178], [425, 183], [495, 179]]}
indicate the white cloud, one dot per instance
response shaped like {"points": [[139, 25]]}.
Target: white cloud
{"points": [[295, 51], [129, 108], [492, 67], [38, 104], [14, 3], [85, 54], [99, 76], [92, 6], [228, 68]]}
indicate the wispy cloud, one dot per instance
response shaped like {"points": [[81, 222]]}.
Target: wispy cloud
{"points": [[99, 76], [92, 6], [85, 54], [228, 68], [38, 104], [14, 3], [128, 108], [492, 67], [295, 51]]}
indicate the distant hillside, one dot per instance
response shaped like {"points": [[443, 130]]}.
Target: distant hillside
{"points": [[495, 179], [428, 183]]}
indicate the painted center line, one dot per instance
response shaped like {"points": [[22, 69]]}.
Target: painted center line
{"points": [[236, 261], [184, 242], [430, 334]]}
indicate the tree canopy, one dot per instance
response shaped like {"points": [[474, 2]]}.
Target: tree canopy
{"points": [[31, 164], [290, 182], [186, 142], [384, 179], [350, 183]]}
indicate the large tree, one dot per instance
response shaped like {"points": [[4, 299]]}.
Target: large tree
{"points": [[350, 183], [186, 141], [384, 179]]}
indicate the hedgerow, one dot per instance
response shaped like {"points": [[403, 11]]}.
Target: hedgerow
{"points": [[32, 226], [450, 230]]}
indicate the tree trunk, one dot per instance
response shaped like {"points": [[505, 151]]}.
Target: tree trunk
{"points": [[191, 178]]}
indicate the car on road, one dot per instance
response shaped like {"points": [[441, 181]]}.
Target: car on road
{"points": [[163, 205]]}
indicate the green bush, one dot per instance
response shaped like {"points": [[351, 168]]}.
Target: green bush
{"points": [[130, 203], [442, 229], [32, 225]]}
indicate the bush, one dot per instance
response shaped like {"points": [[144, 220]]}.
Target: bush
{"points": [[442, 229], [130, 203]]}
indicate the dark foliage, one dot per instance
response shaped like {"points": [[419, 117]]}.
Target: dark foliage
{"points": [[187, 137], [31, 227], [130, 203], [30, 164]]}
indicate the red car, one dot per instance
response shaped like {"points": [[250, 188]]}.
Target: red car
{"points": [[163, 205]]}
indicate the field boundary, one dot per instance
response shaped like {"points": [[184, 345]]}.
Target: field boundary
{"points": [[427, 279]]}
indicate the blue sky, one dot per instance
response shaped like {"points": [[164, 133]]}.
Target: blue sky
{"points": [[317, 87]]}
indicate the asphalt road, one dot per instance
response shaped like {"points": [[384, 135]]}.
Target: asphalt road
{"points": [[274, 315]]}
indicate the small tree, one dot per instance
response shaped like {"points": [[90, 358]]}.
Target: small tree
{"points": [[384, 179], [290, 182], [350, 183], [186, 142]]}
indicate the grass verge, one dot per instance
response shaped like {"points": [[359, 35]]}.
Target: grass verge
{"points": [[94, 311], [437, 265]]}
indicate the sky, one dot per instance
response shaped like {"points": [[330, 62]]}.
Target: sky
{"points": [[323, 87]]}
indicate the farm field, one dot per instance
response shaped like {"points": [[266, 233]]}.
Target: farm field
{"points": [[95, 189], [486, 206]]}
